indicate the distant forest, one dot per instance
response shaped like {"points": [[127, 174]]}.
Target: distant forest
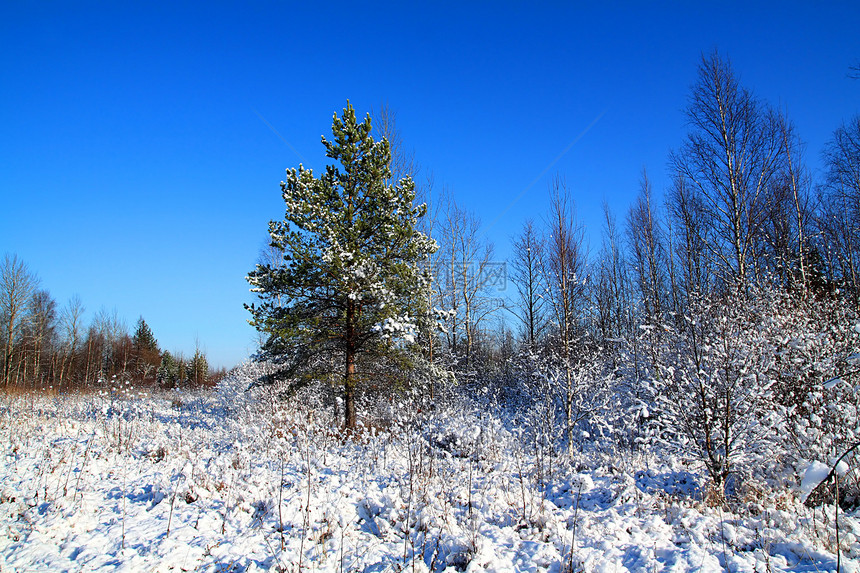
{"points": [[51, 348]]}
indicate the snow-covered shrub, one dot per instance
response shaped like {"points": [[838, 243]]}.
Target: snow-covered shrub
{"points": [[817, 380], [748, 385], [711, 387], [534, 397]]}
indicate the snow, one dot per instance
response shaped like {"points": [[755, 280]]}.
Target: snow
{"points": [[814, 474], [230, 481]]}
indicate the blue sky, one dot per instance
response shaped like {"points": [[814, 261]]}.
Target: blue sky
{"points": [[136, 171]]}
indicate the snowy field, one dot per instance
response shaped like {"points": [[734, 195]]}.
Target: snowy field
{"points": [[229, 481]]}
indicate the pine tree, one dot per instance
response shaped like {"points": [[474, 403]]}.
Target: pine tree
{"points": [[143, 338], [350, 285], [147, 357], [168, 371], [198, 368]]}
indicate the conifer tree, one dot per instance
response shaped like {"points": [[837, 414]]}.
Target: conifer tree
{"points": [[198, 368], [143, 338], [168, 371], [147, 356], [350, 286]]}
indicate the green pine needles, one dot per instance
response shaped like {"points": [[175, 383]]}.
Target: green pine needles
{"points": [[349, 291]]}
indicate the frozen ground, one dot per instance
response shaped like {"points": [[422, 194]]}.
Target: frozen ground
{"points": [[227, 482]]}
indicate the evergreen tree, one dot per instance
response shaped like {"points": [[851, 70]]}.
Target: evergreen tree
{"points": [[146, 357], [198, 368], [143, 338], [349, 287], [168, 371]]}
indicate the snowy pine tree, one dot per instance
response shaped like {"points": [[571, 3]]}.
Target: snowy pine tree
{"points": [[350, 286]]}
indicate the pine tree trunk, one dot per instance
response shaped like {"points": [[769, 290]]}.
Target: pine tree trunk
{"points": [[349, 374], [349, 393]]}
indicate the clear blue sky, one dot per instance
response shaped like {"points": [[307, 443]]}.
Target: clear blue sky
{"points": [[136, 171]]}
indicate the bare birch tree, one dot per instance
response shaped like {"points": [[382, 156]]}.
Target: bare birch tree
{"points": [[40, 331], [527, 278], [609, 287], [70, 324], [729, 159], [403, 163], [787, 231], [462, 267], [565, 268], [648, 254], [691, 237], [842, 218], [17, 285]]}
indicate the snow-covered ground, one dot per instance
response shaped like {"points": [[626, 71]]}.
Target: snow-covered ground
{"points": [[227, 481]]}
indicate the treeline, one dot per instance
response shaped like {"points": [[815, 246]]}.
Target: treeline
{"points": [[743, 213], [721, 322], [47, 347]]}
